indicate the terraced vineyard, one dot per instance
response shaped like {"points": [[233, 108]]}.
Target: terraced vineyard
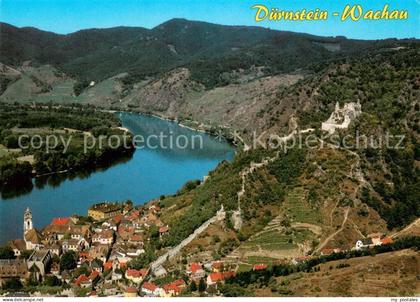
{"points": [[298, 209], [290, 234]]}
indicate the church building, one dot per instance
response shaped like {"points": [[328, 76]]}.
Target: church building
{"points": [[32, 238]]}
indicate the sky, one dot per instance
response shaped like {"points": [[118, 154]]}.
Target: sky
{"points": [[66, 16]]}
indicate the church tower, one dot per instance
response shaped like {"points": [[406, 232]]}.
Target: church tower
{"points": [[27, 221]]}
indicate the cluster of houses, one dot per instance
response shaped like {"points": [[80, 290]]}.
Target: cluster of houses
{"points": [[106, 243], [114, 235], [372, 240], [119, 238], [212, 274], [131, 232]]}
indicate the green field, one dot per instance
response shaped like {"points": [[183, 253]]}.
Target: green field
{"points": [[270, 240], [259, 259]]}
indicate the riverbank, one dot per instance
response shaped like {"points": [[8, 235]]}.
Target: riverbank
{"points": [[18, 174], [148, 174], [202, 128]]}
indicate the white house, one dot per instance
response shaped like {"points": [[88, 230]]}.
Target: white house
{"points": [[104, 237], [150, 289], [363, 243]]}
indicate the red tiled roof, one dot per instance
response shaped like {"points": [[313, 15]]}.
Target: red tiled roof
{"points": [[163, 229], [194, 267], [221, 276], [93, 275], [259, 267], [81, 279], [136, 273], [83, 254], [217, 264], [135, 237], [171, 287], [131, 290], [216, 277], [179, 282], [133, 215], [108, 265], [60, 221], [122, 230], [150, 286], [386, 240], [327, 251], [117, 218]]}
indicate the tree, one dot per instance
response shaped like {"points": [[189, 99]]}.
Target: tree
{"points": [[233, 290], [202, 285], [144, 259], [285, 222], [215, 239], [229, 223], [6, 252], [79, 86], [82, 270], [154, 231], [14, 172], [33, 279], [52, 281], [12, 284], [26, 254], [68, 261], [193, 286], [11, 141]]}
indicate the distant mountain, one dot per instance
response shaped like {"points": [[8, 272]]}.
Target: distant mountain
{"points": [[207, 49]]}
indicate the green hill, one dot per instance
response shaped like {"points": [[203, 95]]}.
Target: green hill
{"points": [[207, 49]]}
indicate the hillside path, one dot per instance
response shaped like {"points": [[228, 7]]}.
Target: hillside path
{"points": [[415, 223], [324, 243], [220, 215]]}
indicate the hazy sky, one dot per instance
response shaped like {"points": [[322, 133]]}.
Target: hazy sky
{"points": [[65, 16]]}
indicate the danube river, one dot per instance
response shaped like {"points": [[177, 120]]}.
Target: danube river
{"points": [[152, 171]]}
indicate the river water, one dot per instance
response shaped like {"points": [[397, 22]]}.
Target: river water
{"points": [[153, 170]]}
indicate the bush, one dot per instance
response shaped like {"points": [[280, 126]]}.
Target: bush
{"points": [[52, 281], [68, 260], [6, 252], [12, 285], [79, 86]]}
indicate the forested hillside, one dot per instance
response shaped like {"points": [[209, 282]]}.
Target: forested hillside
{"points": [[303, 200], [24, 134], [207, 49], [387, 85]]}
